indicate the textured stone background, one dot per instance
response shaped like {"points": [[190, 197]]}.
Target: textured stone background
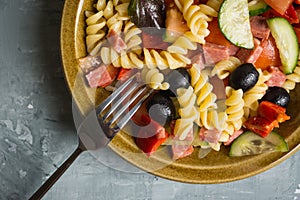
{"points": [[37, 131]]}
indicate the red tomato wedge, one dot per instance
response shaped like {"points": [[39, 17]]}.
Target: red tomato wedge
{"points": [[269, 56], [215, 32], [279, 5], [291, 15]]}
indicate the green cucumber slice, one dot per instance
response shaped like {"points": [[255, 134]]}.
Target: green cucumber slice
{"points": [[257, 7], [250, 143], [286, 42], [234, 23]]}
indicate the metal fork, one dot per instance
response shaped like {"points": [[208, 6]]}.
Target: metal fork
{"points": [[100, 126]]}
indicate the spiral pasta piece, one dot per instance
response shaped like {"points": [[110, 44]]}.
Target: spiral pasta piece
{"points": [[225, 67], [126, 60], [234, 110], [182, 45], [122, 10], [95, 31], [252, 96], [187, 112], [292, 79], [154, 79], [100, 5], [206, 99], [164, 59], [132, 37], [196, 20], [208, 11], [215, 4]]}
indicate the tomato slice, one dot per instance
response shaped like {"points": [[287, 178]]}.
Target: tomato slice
{"points": [[290, 14], [259, 125], [272, 112], [269, 56], [279, 5], [215, 32]]}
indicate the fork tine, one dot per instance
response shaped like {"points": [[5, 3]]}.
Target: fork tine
{"points": [[128, 115], [122, 110], [109, 100], [116, 105]]}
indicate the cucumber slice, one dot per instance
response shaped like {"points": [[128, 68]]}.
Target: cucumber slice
{"points": [[234, 23], [250, 143], [257, 7], [286, 42]]}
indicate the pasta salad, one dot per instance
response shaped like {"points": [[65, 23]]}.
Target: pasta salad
{"points": [[221, 69]]}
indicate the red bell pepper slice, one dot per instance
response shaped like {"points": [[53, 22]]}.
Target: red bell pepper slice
{"points": [[291, 15], [259, 125], [150, 137], [272, 112]]}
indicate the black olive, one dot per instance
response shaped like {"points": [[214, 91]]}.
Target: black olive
{"points": [[244, 77], [277, 95], [178, 78], [161, 108]]}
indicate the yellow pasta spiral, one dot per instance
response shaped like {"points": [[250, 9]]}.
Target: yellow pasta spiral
{"points": [[292, 79], [252, 96], [164, 59], [196, 20], [132, 37], [95, 31], [187, 112], [225, 67], [234, 110], [154, 78]]}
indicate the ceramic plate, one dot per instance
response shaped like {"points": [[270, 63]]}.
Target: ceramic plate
{"points": [[217, 167]]}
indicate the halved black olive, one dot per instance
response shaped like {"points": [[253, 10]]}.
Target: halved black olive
{"points": [[179, 78], [244, 77], [277, 95], [161, 108]]}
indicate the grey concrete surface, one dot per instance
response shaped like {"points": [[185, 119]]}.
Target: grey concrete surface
{"points": [[37, 131]]}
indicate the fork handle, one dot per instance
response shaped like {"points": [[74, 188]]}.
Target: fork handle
{"points": [[57, 174]]}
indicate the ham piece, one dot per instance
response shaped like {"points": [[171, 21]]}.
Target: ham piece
{"points": [[116, 41], [277, 77], [102, 76], [259, 27], [214, 53]]}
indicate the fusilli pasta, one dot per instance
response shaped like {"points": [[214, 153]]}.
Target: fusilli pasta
{"points": [[223, 68], [126, 60], [164, 59], [182, 45], [95, 31], [131, 37], [196, 20], [252, 96], [154, 78], [292, 79], [187, 112], [215, 4], [234, 110]]}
